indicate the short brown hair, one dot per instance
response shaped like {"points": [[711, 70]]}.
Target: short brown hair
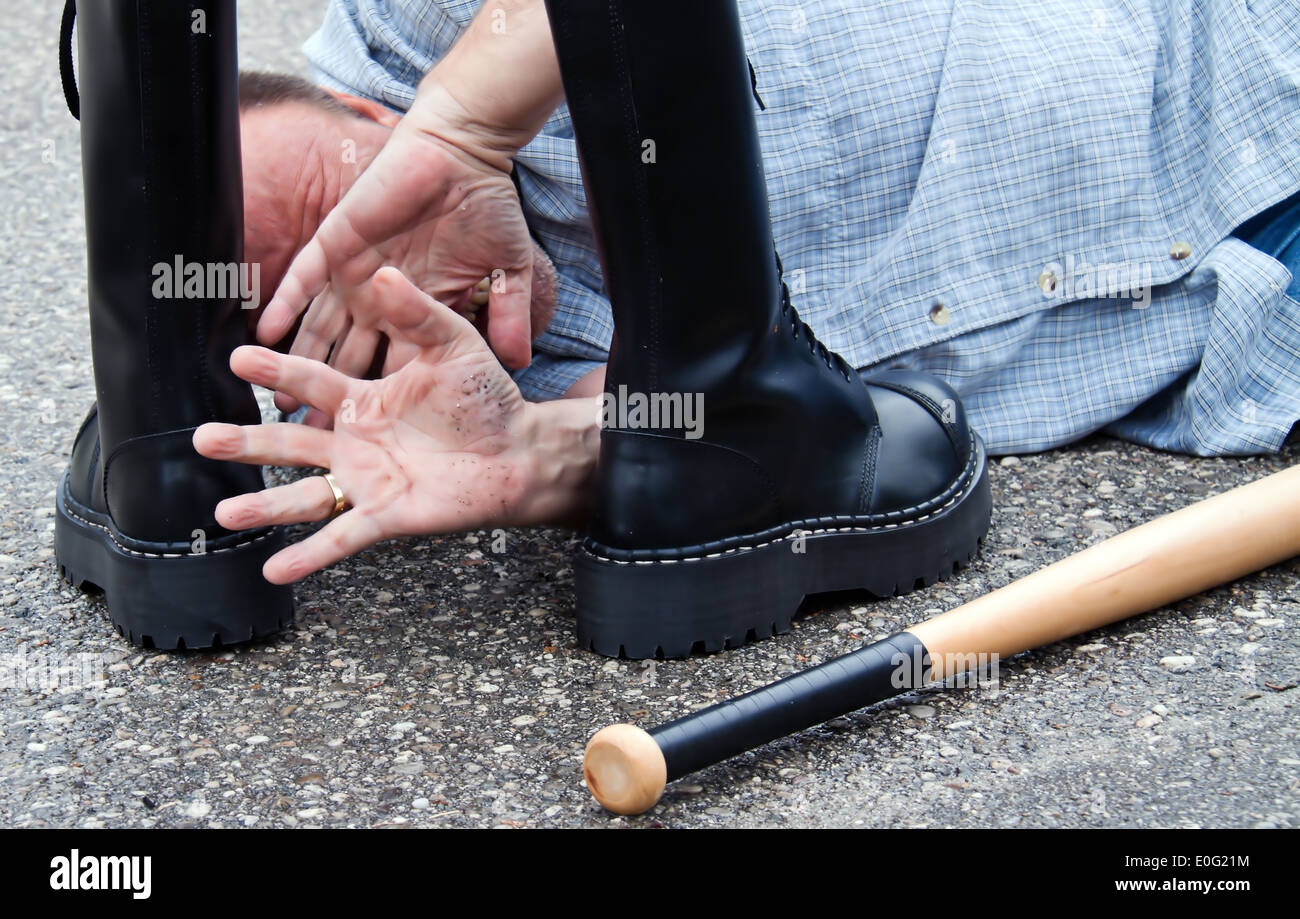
{"points": [[260, 88]]}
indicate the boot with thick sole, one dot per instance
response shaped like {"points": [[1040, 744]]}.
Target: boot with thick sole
{"points": [[796, 476], [161, 162]]}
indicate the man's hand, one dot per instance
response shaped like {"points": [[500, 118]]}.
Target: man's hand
{"points": [[446, 443], [444, 217], [437, 201]]}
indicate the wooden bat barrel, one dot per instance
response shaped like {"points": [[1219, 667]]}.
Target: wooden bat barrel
{"points": [[1206, 544]]}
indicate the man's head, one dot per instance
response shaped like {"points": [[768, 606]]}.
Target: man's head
{"points": [[303, 148]]}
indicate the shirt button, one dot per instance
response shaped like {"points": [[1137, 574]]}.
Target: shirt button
{"points": [[1047, 282], [1180, 250], [939, 314]]}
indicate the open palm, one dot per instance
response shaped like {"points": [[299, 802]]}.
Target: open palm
{"points": [[435, 447]]}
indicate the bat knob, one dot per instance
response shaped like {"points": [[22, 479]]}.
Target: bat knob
{"points": [[625, 769]]}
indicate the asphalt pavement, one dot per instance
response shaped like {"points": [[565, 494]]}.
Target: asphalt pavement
{"points": [[436, 682]]}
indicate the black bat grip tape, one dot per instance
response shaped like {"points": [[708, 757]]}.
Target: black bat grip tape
{"points": [[889, 667]]}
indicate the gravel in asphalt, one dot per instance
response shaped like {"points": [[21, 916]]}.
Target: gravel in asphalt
{"points": [[435, 682]]}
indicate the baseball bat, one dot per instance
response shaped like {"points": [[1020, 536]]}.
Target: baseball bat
{"points": [[1174, 556]]}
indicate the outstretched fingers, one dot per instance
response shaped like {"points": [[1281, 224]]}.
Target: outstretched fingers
{"points": [[355, 352], [265, 444], [345, 535], [509, 316], [414, 317], [303, 281], [304, 501], [316, 384]]}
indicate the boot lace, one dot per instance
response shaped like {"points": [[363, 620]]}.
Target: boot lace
{"points": [[799, 327]]}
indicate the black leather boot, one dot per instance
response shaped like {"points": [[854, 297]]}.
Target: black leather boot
{"points": [[803, 478], [161, 163]]}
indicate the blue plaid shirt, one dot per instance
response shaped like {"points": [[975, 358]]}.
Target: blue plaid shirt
{"points": [[1032, 198]]}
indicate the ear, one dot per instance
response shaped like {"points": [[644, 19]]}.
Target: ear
{"points": [[367, 109]]}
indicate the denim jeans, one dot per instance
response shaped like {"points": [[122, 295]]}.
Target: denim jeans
{"points": [[1276, 232]]}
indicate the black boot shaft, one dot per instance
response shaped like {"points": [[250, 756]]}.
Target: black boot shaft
{"points": [[662, 108], [161, 161], [159, 109], [663, 111]]}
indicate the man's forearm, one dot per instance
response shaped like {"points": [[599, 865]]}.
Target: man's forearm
{"points": [[591, 383], [563, 437], [493, 91]]}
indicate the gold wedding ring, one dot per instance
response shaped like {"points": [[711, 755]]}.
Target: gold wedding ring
{"points": [[339, 501]]}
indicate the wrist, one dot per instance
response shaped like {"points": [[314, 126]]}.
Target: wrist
{"points": [[494, 89], [437, 113], [561, 441]]}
